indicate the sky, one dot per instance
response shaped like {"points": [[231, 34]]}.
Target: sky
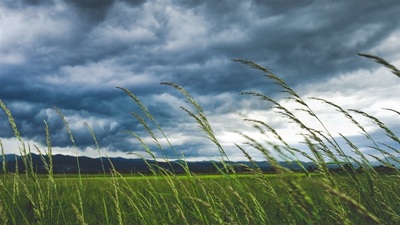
{"points": [[72, 55]]}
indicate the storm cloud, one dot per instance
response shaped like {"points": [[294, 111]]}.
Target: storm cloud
{"points": [[72, 54]]}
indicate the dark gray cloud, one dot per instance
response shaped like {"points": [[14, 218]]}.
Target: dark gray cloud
{"points": [[72, 54]]}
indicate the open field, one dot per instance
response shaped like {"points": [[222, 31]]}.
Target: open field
{"points": [[358, 194], [209, 199]]}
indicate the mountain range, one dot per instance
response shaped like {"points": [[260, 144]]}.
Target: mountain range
{"points": [[69, 164]]}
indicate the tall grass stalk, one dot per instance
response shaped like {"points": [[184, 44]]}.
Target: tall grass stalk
{"points": [[148, 115], [204, 125], [97, 146], [22, 147], [71, 137], [3, 158]]}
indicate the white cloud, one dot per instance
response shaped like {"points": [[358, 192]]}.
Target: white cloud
{"points": [[12, 146], [364, 90], [125, 26], [169, 99], [105, 73], [361, 89], [77, 122], [389, 46], [22, 29], [368, 91], [362, 35], [186, 30], [11, 58]]}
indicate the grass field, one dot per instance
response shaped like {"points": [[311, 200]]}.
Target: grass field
{"points": [[358, 195], [191, 199], [210, 199]]}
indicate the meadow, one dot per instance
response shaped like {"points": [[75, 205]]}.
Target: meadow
{"points": [[359, 194]]}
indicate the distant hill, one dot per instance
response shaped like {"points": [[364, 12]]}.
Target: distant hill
{"points": [[68, 164]]}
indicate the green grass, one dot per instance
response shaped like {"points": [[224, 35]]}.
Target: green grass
{"points": [[217, 199], [363, 196]]}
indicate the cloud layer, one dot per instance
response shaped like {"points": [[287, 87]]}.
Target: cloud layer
{"points": [[72, 55]]}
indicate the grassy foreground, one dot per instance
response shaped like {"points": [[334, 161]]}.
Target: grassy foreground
{"points": [[249, 199], [356, 196]]}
